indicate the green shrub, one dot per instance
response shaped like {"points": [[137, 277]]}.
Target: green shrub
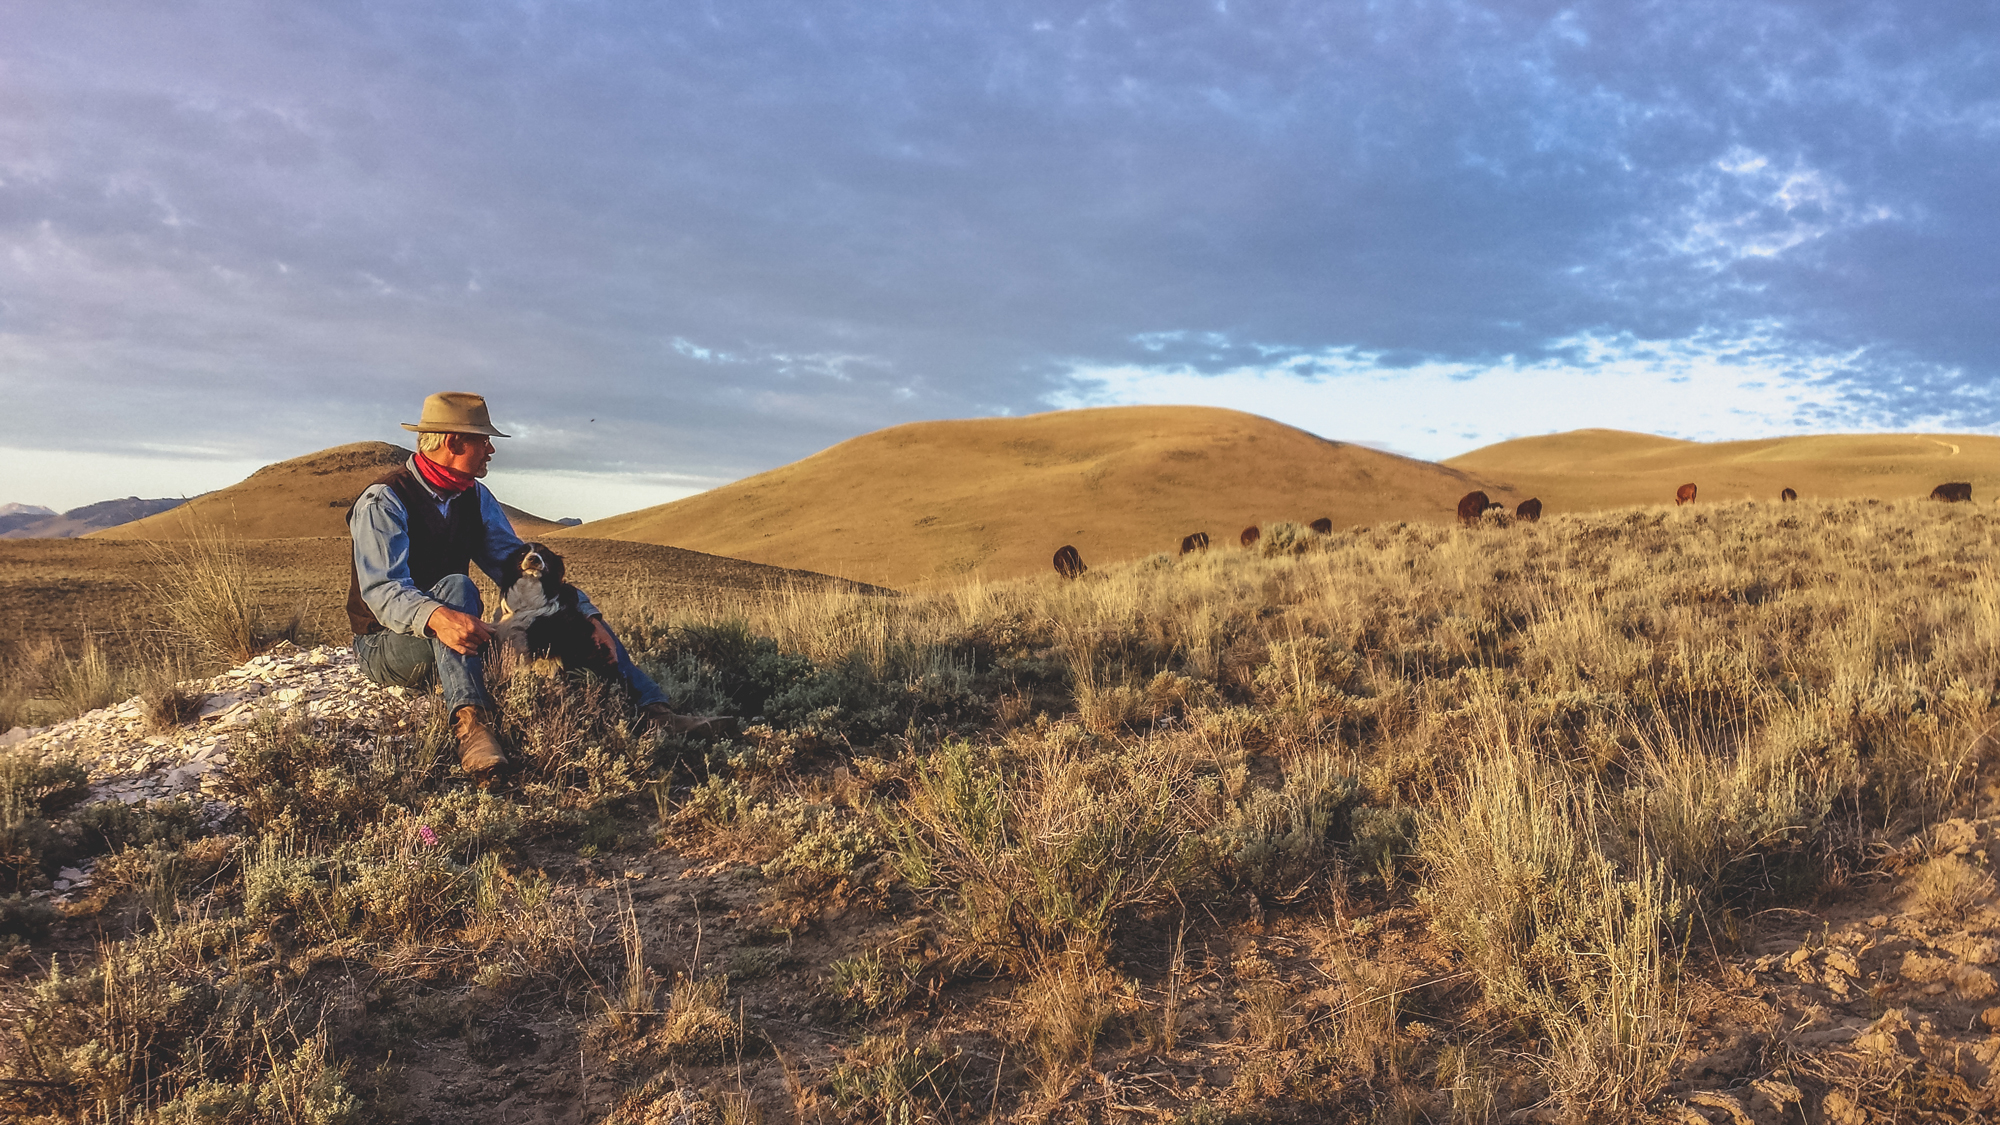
{"points": [[1384, 839], [1043, 858], [107, 826], [44, 786], [896, 1078], [471, 822], [826, 849], [25, 919], [722, 668], [382, 887], [278, 883], [1274, 843], [151, 1028], [308, 782], [574, 747], [30, 790], [872, 983], [305, 1088]]}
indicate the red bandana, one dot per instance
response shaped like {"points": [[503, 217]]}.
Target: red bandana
{"points": [[447, 480]]}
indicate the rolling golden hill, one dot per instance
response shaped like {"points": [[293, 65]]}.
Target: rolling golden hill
{"points": [[1590, 469], [997, 496], [301, 498]]}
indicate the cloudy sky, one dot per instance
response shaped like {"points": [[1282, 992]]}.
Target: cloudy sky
{"points": [[678, 243]]}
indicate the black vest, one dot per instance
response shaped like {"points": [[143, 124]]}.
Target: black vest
{"points": [[439, 544]]}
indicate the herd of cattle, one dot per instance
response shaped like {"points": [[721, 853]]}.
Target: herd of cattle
{"points": [[1472, 507]]}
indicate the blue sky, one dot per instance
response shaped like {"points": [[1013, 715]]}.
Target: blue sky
{"points": [[676, 244]]}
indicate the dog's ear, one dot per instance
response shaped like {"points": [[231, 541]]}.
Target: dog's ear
{"points": [[510, 567], [555, 561]]}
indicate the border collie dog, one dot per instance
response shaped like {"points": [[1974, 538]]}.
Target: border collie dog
{"points": [[540, 619]]}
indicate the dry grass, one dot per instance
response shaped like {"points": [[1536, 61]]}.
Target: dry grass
{"points": [[1037, 859], [1544, 754], [1949, 887], [205, 596], [47, 679], [1607, 727]]}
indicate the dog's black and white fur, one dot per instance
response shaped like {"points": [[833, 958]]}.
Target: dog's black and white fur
{"points": [[540, 616]]}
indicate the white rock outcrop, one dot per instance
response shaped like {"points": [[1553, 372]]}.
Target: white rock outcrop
{"points": [[128, 762]]}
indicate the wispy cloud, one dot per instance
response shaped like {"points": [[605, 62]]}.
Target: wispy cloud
{"points": [[735, 234], [1705, 388]]}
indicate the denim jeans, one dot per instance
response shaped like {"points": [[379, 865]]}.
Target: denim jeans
{"points": [[414, 662]]}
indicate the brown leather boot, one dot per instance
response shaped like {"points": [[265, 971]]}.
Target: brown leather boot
{"points": [[658, 718], [478, 746]]}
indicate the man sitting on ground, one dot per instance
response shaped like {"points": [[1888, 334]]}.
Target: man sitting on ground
{"points": [[412, 603]]}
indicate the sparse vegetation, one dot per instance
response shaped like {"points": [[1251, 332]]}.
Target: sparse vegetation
{"points": [[205, 595], [1397, 823], [49, 678]]}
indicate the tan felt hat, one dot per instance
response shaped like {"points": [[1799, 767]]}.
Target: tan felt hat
{"points": [[454, 412]]}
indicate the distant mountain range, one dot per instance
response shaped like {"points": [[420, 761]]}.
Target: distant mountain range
{"points": [[32, 521], [25, 509]]}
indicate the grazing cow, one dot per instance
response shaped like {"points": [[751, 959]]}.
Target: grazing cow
{"points": [[1530, 509], [1196, 542], [1956, 492], [1250, 536], [1473, 505], [1322, 525], [1787, 496], [1069, 564], [1683, 495]]}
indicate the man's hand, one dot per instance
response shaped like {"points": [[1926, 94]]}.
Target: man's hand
{"points": [[460, 632], [602, 636]]}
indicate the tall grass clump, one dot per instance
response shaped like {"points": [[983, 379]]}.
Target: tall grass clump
{"points": [[1035, 859], [205, 596], [52, 678], [1553, 931]]}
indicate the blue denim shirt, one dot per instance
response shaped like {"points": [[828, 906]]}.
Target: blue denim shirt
{"points": [[380, 529]]}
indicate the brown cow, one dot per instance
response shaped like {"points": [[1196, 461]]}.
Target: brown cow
{"points": [[1196, 542], [1069, 564], [1787, 496], [1530, 509], [1322, 525], [1250, 536], [1956, 492], [1473, 505], [1683, 495]]}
